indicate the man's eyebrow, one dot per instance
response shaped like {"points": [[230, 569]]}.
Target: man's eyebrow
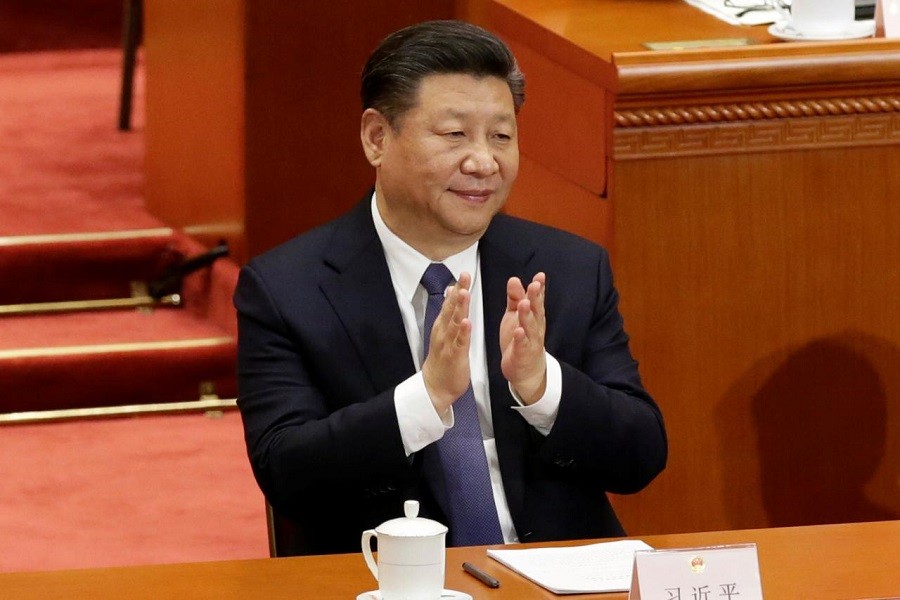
{"points": [[506, 118], [453, 113]]}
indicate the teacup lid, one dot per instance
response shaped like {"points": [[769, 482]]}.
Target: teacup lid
{"points": [[412, 525]]}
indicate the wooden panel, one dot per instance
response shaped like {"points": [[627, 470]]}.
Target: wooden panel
{"points": [[194, 169], [775, 193], [761, 295], [39, 25], [305, 164], [560, 124], [564, 129], [543, 196]]}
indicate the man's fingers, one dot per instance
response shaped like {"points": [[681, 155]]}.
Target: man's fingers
{"points": [[522, 337], [452, 330], [460, 306], [525, 315], [514, 292], [537, 291], [463, 334], [465, 281], [519, 335], [456, 305]]}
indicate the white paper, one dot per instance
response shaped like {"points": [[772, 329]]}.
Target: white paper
{"points": [[890, 16], [594, 568], [717, 8]]}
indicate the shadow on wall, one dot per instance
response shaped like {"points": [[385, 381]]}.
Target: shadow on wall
{"points": [[812, 435]]}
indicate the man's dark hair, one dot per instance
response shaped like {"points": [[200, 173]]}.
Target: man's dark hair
{"points": [[391, 77]]}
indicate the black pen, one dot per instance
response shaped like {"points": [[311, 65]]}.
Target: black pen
{"points": [[480, 575]]}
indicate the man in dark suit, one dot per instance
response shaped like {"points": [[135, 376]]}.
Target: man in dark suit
{"points": [[353, 380]]}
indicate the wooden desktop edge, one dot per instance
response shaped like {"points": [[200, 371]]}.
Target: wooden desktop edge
{"points": [[861, 547], [830, 562], [761, 65]]}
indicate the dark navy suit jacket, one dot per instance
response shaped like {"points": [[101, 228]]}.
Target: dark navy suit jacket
{"points": [[322, 346]]}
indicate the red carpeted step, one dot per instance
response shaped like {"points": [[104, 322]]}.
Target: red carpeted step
{"points": [[82, 266], [106, 358], [109, 358]]}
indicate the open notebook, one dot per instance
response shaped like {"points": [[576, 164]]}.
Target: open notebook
{"points": [[593, 568], [738, 12]]}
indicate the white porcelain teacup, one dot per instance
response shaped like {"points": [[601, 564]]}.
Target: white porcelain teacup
{"points": [[817, 17], [411, 556]]}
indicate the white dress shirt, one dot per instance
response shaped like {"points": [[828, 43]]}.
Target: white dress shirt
{"points": [[420, 423]]}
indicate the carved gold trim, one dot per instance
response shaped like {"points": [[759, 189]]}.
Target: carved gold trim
{"points": [[757, 136], [755, 111]]}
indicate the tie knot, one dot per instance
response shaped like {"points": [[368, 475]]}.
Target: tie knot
{"points": [[436, 279]]}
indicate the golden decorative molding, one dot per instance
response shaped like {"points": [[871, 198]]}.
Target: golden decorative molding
{"points": [[83, 237], [56, 351], [755, 111], [39, 308], [209, 405], [757, 136]]}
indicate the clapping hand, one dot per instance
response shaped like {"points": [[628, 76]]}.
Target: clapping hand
{"points": [[522, 338]]}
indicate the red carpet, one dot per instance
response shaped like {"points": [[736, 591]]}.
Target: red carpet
{"points": [[127, 491], [64, 166], [120, 491]]}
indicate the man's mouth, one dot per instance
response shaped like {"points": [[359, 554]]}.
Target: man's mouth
{"points": [[473, 195]]}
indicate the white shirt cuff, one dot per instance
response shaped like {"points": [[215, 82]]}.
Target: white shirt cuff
{"points": [[420, 424], [542, 414]]}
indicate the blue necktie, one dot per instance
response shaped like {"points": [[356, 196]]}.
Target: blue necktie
{"points": [[470, 499]]}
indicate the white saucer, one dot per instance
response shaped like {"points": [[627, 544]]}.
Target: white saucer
{"points": [[859, 29], [448, 594]]}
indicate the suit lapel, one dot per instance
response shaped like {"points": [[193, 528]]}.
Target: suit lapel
{"points": [[362, 296], [504, 256]]}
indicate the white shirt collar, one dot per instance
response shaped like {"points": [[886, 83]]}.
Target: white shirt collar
{"points": [[407, 265]]}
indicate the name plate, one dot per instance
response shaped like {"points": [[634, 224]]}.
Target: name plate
{"points": [[707, 573]]}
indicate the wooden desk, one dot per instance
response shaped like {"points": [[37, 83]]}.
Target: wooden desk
{"points": [[750, 197], [823, 562]]}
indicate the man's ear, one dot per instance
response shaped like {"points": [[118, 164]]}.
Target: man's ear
{"points": [[373, 129]]}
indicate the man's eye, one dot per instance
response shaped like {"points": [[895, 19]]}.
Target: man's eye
{"points": [[455, 134], [503, 137]]}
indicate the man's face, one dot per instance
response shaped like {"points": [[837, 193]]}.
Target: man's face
{"points": [[447, 165]]}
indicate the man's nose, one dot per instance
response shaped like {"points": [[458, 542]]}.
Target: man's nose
{"points": [[480, 161]]}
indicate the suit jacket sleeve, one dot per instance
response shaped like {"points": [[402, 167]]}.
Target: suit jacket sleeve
{"points": [[303, 433], [608, 429]]}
